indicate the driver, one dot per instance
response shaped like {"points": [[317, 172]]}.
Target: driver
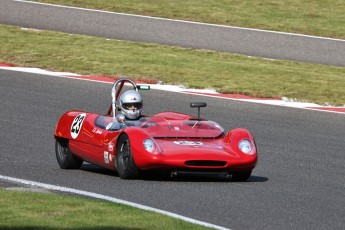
{"points": [[131, 104]]}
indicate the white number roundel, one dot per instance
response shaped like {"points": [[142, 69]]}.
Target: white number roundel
{"points": [[76, 125]]}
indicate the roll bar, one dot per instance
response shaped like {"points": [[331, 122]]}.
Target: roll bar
{"points": [[115, 92]]}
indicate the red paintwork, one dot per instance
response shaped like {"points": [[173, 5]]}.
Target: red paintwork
{"points": [[92, 142]]}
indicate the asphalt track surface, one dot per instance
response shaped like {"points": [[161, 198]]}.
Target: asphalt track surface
{"points": [[298, 183], [171, 32]]}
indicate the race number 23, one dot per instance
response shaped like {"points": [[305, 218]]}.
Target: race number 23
{"points": [[76, 125]]}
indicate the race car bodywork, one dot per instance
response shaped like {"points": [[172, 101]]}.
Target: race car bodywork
{"points": [[167, 141]]}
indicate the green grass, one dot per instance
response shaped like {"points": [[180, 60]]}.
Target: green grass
{"points": [[194, 68], [224, 72], [29, 210], [314, 17]]}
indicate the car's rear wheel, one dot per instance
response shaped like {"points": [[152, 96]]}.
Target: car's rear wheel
{"points": [[241, 176], [65, 157], [125, 164]]}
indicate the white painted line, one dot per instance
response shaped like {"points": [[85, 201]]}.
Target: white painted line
{"points": [[38, 71], [109, 198], [183, 21]]}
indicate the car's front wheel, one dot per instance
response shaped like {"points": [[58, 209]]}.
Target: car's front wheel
{"points": [[64, 156], [125, 164]]}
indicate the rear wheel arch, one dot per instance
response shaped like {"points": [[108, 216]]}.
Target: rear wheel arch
{"points": [[62, 141], [64, 156]]}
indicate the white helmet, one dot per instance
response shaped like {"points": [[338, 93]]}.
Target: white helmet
{"points": [[131, 104]]}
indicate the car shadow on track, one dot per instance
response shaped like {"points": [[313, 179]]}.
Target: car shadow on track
{"points": [[97, 169], [165, 176], [257, 179], [198, 178]]}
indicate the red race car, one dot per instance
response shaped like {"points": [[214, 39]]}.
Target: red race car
{"points": [[125, 141]]}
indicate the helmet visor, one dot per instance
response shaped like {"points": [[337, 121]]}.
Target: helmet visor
{"points": [[132, 106]]}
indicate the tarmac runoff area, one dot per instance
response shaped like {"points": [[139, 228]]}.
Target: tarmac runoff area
{"points": [[181, 89]]}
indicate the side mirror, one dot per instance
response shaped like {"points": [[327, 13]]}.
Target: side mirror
{"points": [[118, 124], [198, 105], [120, 118]]}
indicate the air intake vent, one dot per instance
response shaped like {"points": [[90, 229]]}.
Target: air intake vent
{"points": [[206, 163]]}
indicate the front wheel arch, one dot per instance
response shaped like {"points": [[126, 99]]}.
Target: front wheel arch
{"points": [[124, 163]]}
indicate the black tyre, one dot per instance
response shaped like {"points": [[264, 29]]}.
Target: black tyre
{"points": [[64, 156], [241, 176], [125, 164]]}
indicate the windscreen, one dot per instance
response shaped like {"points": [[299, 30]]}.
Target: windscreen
{"points": [[159, 127]]}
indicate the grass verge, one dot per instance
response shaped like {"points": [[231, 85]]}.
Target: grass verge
{"points": [[29, 210], [224, 72], [322, 18]]}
